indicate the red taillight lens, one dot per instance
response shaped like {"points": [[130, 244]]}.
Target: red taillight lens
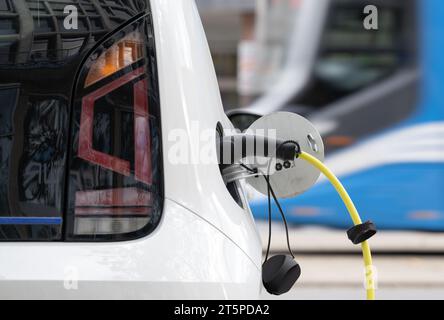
{"points": [[141, 128], [114, 185], [113, 202]]}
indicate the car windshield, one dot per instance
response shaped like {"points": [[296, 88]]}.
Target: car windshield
{"points": [[352, 58]]}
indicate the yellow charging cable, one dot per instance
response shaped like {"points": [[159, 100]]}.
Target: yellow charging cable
{"points": [[366, 253]]}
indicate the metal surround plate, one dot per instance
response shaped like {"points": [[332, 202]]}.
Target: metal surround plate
{"points": [[301, 176]]}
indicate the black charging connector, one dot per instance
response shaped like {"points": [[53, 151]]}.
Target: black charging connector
{"points": [[232, 149]]}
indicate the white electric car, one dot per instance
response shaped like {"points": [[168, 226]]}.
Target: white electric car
{"points": [[94, 95]]}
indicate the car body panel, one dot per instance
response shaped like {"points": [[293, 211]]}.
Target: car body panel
{"points": [[186, 69], [185, 257]]}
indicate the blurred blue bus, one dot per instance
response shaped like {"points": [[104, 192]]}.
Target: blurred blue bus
{"points": [[377, 97]]}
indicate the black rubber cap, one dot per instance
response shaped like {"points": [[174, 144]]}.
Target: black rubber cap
{"points": [[280, 273], [362, 232]]}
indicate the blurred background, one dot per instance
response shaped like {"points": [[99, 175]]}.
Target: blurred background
{"points": [[369, 74]]}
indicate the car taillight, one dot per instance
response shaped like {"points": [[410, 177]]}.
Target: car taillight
{"points": [[120, 55], [114, 173]]}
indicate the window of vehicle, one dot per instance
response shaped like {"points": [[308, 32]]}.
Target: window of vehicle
{"points": [[5, 5], [32, 164], [352, 58]]}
